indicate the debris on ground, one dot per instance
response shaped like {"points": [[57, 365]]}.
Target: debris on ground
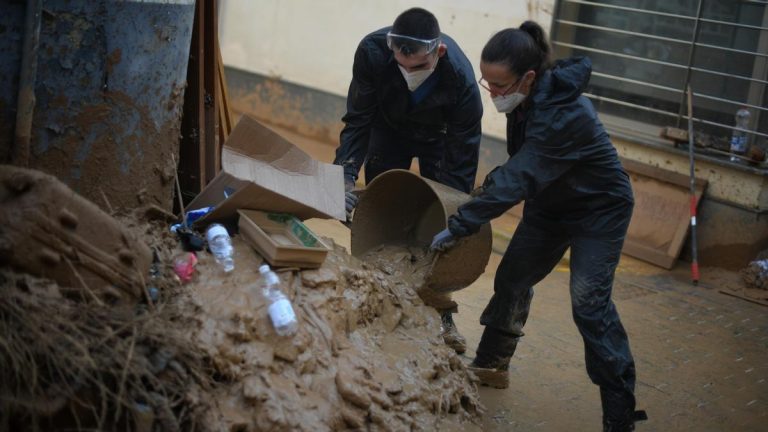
{"points": [[751, 283], [68, 363], [755, 275], [48, 230], [203, 355]]}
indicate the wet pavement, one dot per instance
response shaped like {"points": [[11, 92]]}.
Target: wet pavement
{"points": [[701, 356]]}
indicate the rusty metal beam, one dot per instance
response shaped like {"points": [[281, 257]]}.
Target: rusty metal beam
{"points": [[26, 101]]}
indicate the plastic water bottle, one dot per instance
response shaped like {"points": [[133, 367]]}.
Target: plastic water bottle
{"points": [[221, 246], [739, 137], [280, 310]]}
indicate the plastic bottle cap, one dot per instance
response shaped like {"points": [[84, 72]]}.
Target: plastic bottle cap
{"points": [[214, 231], [264, 268]]}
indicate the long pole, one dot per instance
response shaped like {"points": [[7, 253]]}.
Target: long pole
{"points": [[691, 53], [694, 253]]}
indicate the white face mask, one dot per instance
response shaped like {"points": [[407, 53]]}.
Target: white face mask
{"points": [[506, 104], [416, 78]]}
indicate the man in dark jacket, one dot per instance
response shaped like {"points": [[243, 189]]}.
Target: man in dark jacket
{"points": [[413, 95]]}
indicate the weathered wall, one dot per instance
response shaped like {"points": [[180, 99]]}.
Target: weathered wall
{"points": [[311, 45], [316, 114], [109, 89], [741, 187], [732, 219], [727, 236]]}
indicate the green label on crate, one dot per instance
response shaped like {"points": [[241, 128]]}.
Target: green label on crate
{"points": [[279, 217], [302, 233]]}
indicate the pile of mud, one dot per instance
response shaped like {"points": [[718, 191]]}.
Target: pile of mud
{"points": [[204, 356], [368, 353], [409, 266]]}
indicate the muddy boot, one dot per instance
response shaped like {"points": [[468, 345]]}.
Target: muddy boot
{"points": [[451, 335], [624, 424], [491, 373], [491, 366], [619, 413]]}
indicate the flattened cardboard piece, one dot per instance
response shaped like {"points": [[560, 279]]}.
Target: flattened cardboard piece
{"points": [[261, 170], [661, 216]]}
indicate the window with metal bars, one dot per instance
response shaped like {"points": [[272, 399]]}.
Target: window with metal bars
{"points": [[646, 52]]}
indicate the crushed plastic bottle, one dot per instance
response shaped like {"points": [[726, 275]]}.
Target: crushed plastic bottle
{"points": [[220, 245], [740, 139], [280, 310]]}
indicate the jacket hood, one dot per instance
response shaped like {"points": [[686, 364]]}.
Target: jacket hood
{"points": [[564, 82]]}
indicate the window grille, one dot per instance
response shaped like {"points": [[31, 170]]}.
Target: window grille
{"points": [[645, 52]]}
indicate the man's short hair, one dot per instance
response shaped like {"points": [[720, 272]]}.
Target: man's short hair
{"points": [[418, 23]]}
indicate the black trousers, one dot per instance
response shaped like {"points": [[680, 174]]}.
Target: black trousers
{"points": [[388, 150], [531, 255]]}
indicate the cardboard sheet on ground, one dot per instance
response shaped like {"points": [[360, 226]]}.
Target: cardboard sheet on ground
{"points": [[661, 217], [261, 170]]}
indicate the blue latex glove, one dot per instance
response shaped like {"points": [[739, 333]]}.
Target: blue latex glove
{"points": [[350, 202], [443, 241], [350, 198]]}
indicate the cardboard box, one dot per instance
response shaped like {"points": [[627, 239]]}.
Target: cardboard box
{"points": [[261, 170], [282, 239]]}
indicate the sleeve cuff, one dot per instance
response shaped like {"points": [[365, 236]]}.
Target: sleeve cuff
{"points": [[460, 228]]}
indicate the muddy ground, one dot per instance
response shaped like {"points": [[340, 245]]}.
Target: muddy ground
{"points": [[701, 355]]}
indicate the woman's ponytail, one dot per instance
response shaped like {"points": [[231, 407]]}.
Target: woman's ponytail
{"points": [[540, 39], [522, 49]]}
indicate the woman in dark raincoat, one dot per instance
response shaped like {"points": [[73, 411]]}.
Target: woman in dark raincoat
{"points": [[563, 165]]}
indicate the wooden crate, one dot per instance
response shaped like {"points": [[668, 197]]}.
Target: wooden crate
{"points": [[282, 239]]}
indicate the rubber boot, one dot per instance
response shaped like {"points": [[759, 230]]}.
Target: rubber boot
{"points": [[625, 424], [619, 413], [491, 366], [451, 335]]}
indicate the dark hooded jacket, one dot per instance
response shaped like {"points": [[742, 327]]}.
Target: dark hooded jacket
{"points": [[379, 98], [562, 163]]}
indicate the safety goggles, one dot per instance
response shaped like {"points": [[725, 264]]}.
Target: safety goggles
{"points": [[407, 45]]}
